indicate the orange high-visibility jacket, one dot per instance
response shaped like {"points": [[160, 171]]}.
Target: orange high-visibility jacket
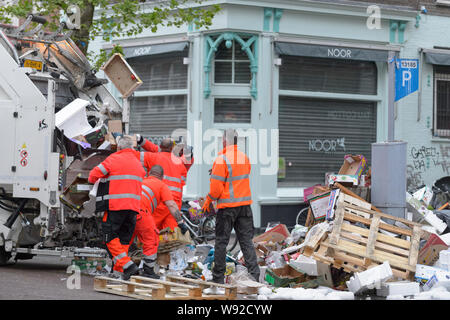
{"points": [[122, 175], [151, 147], [154, 192], [174, 171], [230, 179]]}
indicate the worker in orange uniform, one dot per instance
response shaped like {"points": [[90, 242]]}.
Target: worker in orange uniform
{"points": [[154, 192], [230, 187], [175, 173], [119, 197], [183, 151]]}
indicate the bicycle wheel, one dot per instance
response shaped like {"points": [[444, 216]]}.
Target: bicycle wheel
{"points": [[302, 216]]}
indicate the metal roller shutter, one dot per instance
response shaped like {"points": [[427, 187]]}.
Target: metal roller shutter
{"points": [[155, 117], [315, 135]]}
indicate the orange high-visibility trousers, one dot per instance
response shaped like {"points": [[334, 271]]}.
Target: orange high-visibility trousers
{"points": [[147, 234], [117, 229]]}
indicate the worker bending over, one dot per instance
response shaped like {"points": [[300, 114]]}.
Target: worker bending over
{"points": [[175, 173], [154, 192], [230, 186], [119, 197]]}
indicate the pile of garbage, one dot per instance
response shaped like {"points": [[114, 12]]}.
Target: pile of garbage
{"points": [[347, 248]]}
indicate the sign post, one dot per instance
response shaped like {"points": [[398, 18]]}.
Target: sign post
{"points": [[406, 77]]}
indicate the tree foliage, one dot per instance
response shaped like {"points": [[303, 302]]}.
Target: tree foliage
{"points": [[113, 19]]}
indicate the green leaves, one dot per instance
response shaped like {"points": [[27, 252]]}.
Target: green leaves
{"points": [[115, 19]]}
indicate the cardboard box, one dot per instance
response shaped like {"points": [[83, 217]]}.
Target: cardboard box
{"points": [[429, 254], [353, 165], [282, 277], [424, 194], [115, 126], [95, 135], [319, 205], [344, 179], [424, 273], [276, 234], [440, 278]]}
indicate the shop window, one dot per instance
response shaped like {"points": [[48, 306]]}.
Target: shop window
{"points": [[316, 134], [231, 65], [157, 117], [328, 75], [232, 110], [442, 102], [161, 72]]}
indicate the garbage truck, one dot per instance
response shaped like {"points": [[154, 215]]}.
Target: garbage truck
{"points": [[45, 206]]}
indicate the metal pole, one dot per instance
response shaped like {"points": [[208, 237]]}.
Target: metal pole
{"points": [[391, 95], [126, 114]]}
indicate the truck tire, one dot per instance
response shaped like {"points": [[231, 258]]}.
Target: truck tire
{"points": [[4, 256]]}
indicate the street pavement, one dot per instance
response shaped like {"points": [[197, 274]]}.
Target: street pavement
{"points": [[46, 278]]}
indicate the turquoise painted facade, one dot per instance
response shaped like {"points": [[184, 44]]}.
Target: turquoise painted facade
{"points": [[256, 26]]}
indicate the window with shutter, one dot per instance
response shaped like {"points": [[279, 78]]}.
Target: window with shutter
{"points": [[442, 101], [328, 75], [159, 113], [316, 134], [232, 110]]}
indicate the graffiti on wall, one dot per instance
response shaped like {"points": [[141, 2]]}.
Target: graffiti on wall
{"points": [[424, 159]]}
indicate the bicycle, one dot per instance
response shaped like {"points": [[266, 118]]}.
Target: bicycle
{"points": [[202, 229]]}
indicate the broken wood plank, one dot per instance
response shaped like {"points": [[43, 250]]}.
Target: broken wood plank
{"points": [[338, 219], [370, 247]]}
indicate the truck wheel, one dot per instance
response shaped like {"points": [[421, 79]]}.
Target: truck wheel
{"points": [[4, 256]]}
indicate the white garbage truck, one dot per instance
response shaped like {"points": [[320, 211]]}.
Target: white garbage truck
{"points": [[45, 207]]}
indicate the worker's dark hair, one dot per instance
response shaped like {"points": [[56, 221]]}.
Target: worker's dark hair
{"points": [[157, 171], [166, 145]]}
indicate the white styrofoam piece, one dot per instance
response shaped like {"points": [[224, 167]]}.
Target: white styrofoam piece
{"points": [[445, 238], [371, 278], [437, 223], [320, 293], [403, 288], [73, 119], [429, 229], [305, 265]]}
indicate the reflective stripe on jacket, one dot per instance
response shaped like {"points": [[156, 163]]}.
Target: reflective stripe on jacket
{"points": [[174, 171], [120, 186], [230, 179], [154, 192]]}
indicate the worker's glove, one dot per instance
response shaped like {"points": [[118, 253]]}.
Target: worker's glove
{"points": [[188, 151], [206, 205], [139, 139], [182, 227]]}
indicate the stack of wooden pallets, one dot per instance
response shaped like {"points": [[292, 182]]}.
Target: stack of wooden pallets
{"points": [[360, 239], [173, 288]]}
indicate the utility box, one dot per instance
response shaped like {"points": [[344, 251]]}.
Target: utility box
{"points": [[121, 75], [389, 177]]}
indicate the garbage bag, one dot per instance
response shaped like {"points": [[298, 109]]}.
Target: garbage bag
{"points": [[444, 215]]}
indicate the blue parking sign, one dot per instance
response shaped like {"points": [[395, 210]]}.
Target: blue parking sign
{"points": [[406, 77]]}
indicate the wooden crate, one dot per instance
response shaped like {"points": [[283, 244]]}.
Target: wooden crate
{"points": [[356, 249], [174, 288]]}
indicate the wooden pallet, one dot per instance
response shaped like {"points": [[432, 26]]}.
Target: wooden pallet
{"points": [[356, 249], [174, 288]]}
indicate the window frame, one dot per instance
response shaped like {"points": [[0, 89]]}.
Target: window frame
{"points": [[233, 73]]}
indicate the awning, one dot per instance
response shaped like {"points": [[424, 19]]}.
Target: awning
{"points": [[152, 49], [332, 52], [435, 56]]}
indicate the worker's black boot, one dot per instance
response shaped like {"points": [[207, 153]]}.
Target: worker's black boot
{"points": [[130, 271], [149, 270]]}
